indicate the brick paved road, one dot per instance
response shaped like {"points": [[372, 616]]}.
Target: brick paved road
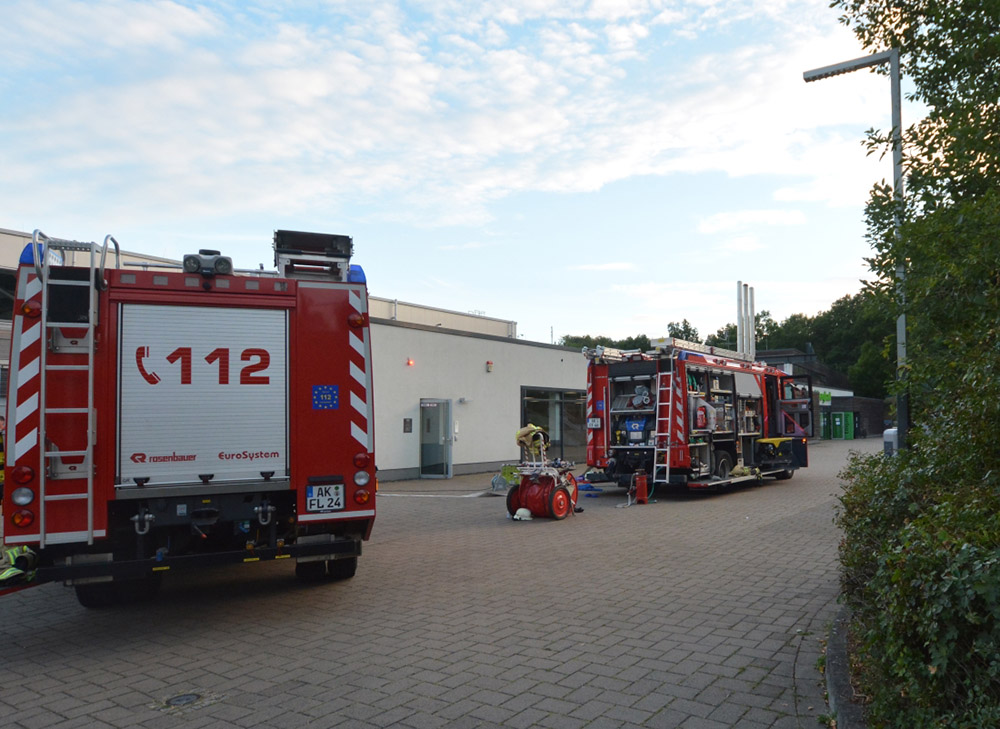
{"points": [[692, 612]]}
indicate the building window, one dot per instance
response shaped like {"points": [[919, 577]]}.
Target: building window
{"points": [[562, 413]]}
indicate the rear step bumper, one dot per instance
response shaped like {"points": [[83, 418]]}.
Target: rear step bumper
{"points": [[140, 568]]}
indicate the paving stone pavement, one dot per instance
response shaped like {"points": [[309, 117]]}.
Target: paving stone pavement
{"points": [[693, 612]]}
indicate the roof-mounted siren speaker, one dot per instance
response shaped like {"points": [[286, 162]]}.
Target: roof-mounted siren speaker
{"points": [[208, 263]]}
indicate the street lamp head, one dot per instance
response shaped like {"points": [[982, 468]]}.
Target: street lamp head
{"points": [[817, 74], [847, 66]]}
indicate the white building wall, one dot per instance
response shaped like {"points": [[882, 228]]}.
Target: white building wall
{"points": [[452, 366], [418, 314]]}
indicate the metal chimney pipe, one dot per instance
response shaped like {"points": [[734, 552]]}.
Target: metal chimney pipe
{"points": [[752, 328], [746, 317], [739, 316]]}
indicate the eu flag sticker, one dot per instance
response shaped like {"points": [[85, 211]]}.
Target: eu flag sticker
{"points": [[326, 397]]}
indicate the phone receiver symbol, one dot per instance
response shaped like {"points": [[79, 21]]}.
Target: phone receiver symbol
{"points": [[151, 377]]}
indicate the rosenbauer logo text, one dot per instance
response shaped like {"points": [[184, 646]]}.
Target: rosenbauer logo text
{"points": [[169, 458], [248, 455]]}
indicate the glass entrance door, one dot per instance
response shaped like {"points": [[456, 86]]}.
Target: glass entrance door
{"points": [[435, 438]]}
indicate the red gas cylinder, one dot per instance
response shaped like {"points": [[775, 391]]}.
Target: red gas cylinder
{"points": [[641, 490], [543, 494]]}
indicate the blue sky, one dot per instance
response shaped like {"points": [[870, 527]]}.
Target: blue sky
{"points": [[579, 166]]}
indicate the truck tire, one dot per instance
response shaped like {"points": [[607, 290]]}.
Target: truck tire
{"points": [[97, 595], [342, 569], [783, 475], [141, 590], [310, 571], [723, 464]]}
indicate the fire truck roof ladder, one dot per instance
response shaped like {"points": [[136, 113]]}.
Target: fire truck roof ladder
{"points": [[673, 343], [46, 253], [663, 440], [317, 256]]}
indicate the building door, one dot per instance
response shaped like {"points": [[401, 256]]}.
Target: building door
{"points": [[435, 438], [838, 426]]}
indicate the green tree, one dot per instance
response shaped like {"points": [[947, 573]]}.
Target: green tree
{"points": [[795, 332], [921, 565], [639, 341], [684, 331], [725, 337]]}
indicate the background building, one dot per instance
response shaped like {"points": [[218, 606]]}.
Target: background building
{"points": [[840, 414], [451, 388]]}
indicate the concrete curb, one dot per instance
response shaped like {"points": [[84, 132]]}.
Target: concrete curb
{"points": [[839, 691]]}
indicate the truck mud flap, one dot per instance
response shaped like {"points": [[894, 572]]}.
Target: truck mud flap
{"points": [[139, 568]]}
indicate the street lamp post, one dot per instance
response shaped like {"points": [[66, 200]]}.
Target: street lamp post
{"points": [[876, 59]]}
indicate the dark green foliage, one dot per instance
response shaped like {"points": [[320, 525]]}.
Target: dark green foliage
{"points": [[921, 571], [921, 548], [724, 337], [855, 336], [640, 342], [684, 331]]}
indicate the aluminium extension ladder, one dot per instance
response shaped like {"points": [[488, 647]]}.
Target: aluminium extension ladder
{"points": [[56, 341]]}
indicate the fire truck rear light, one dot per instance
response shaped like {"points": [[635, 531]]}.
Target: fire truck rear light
{"points": [[22, 496], [361, 478], [361, 496], [31, 309], [23, 518], [23, 474], [361, 460], [357, 320]]}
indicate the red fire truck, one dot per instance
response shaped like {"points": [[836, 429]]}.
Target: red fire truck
{"points": [[687, 414], [165, 419]]}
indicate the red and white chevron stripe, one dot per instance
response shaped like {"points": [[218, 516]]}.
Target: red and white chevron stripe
{"points": [[678, 433], [590, 410], [26, 358], [360, 364]]}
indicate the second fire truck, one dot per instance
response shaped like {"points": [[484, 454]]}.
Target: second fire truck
{"points": [[687, 414]]}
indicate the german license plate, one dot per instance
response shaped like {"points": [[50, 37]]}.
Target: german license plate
{"points": [[325, 498], [593, 423]]}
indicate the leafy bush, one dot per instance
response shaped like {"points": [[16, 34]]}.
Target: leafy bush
{"points": [[921, 570]]}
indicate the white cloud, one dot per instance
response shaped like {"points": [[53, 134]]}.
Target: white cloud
{"points": [[430, 121], [609, 266], [742, 244], [470, 246], [624, 39], [741, 219], [75, 32]]}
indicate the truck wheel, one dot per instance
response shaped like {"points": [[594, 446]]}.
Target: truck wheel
{"points": [[97, 594], [513, 502], [783, 475], [310, 571], [560, 503], [342, 569], [723, 464]]}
